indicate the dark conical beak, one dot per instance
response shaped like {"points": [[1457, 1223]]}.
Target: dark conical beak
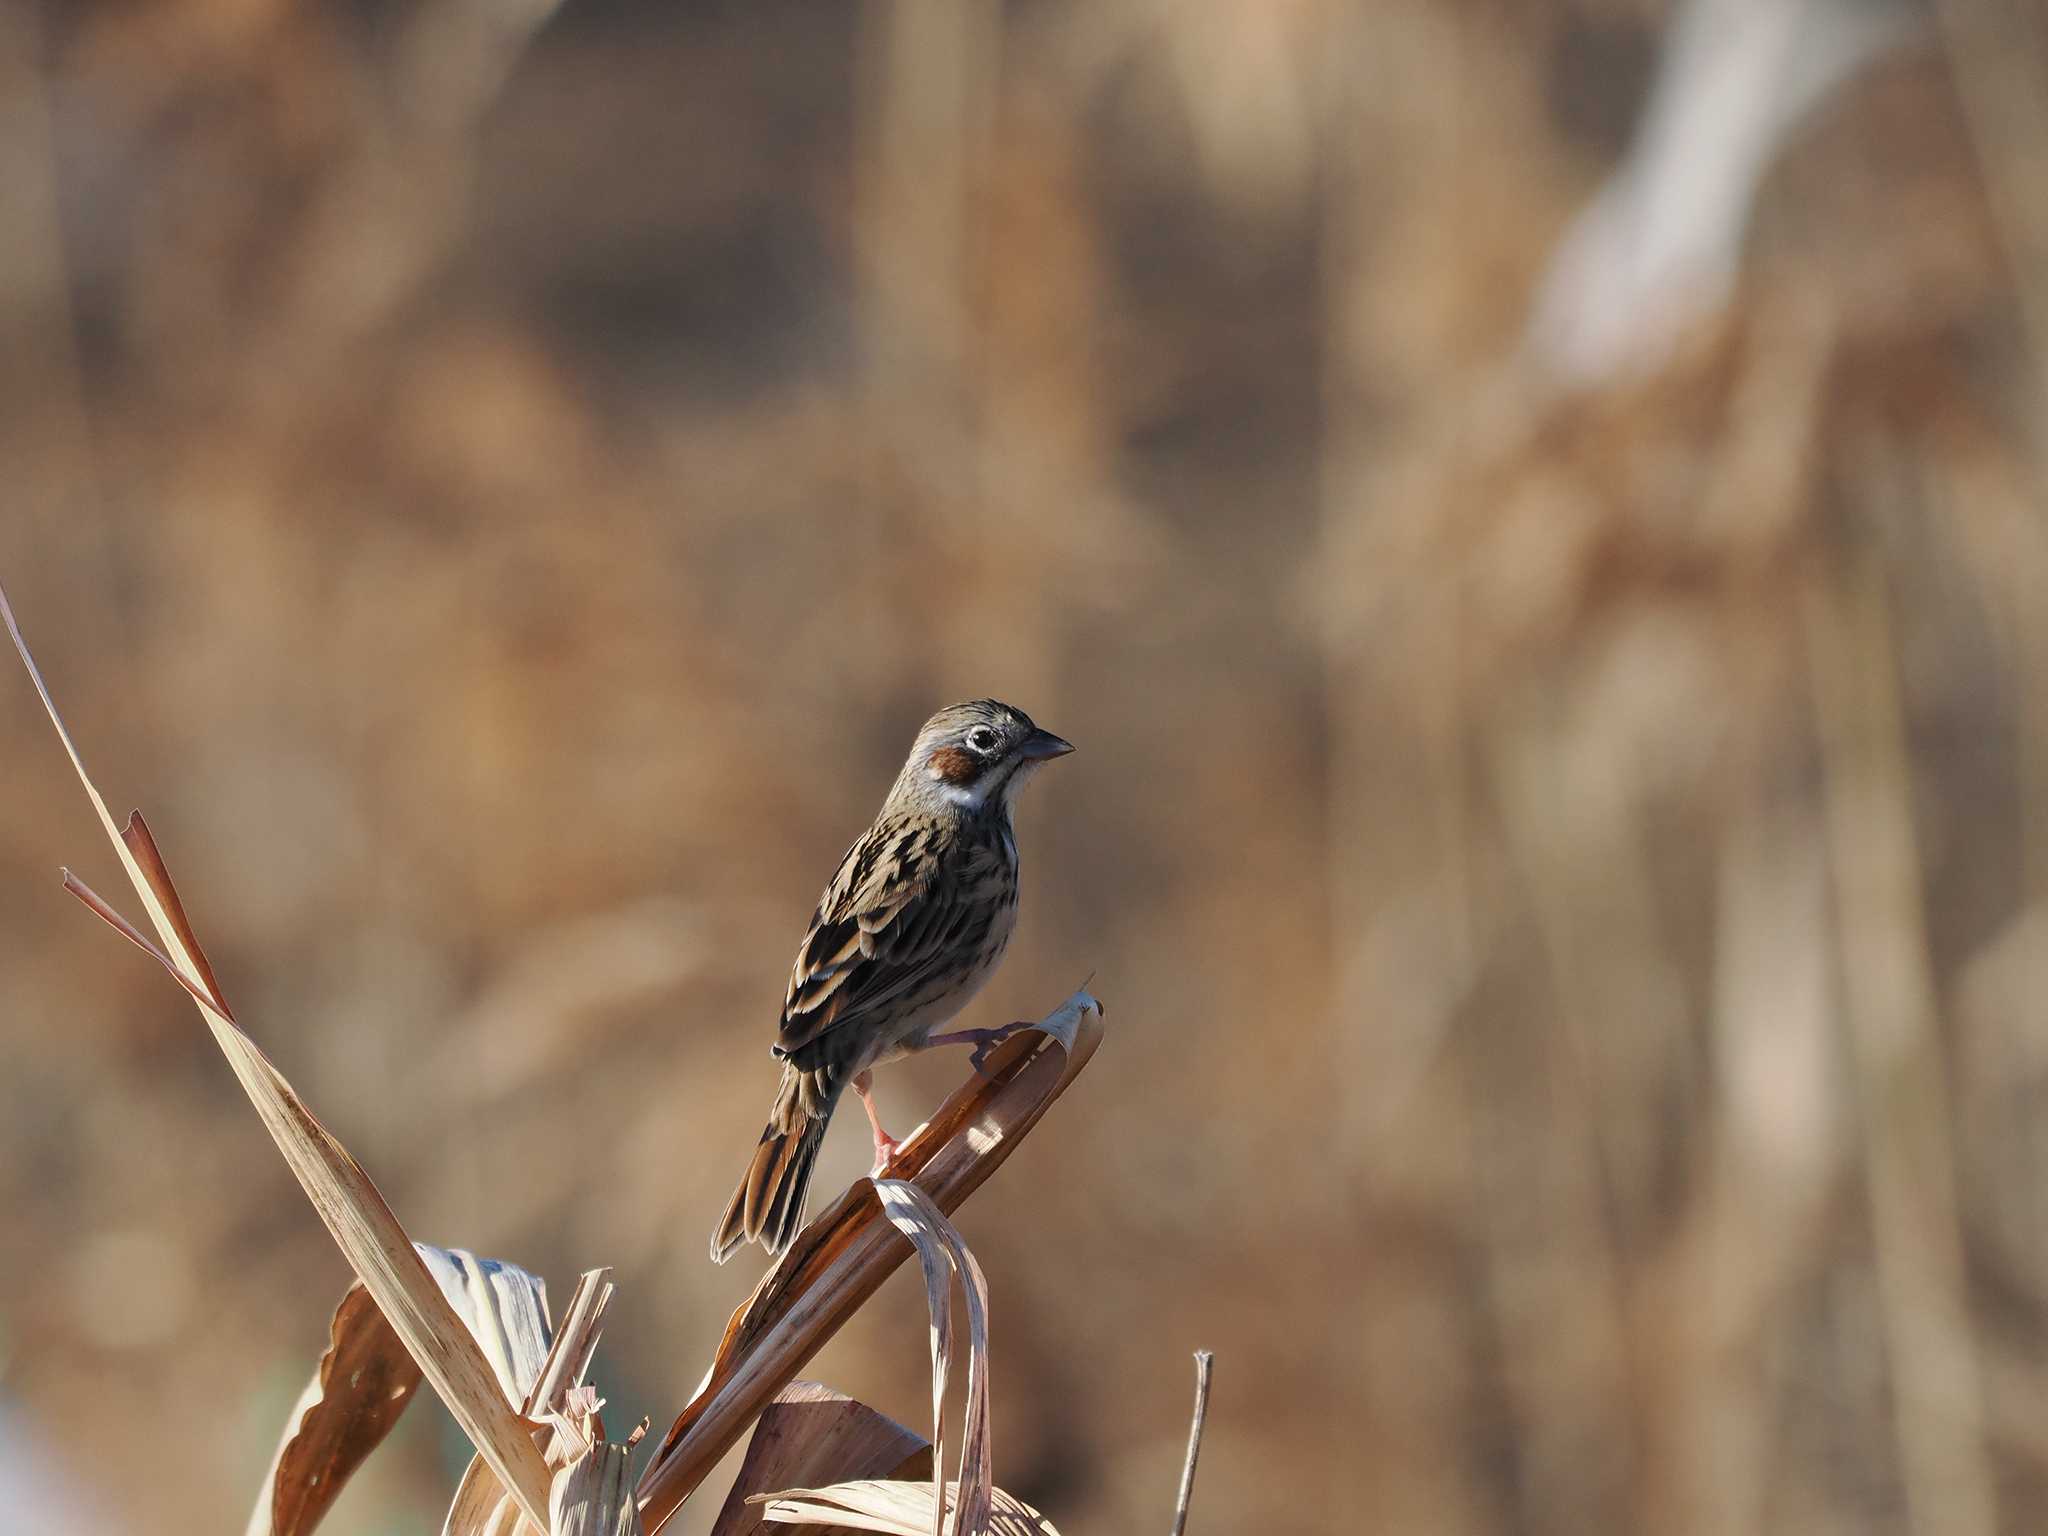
{"points": [[1040, 745]]}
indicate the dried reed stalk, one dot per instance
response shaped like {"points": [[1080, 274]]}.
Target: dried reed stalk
{"points": [[1892, 1011], [1205, 1367]]}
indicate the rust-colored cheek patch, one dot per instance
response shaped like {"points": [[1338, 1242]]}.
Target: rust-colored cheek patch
{"points": [[955, 766]]}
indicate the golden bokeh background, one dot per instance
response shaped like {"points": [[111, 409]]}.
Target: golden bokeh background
{"points": [[1541, 552]]}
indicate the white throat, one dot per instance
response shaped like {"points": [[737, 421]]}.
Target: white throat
{"points": [[968, 797]]}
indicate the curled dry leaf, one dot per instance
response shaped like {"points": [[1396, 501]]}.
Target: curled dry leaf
{"points": [[350, 1205], [914, 1508], [903, 1508], [944, 1254], [363, 1383], [837, 1261], [810, 1436]]}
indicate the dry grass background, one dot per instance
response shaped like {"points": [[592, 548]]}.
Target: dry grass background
{"points": [[1568, 872]]}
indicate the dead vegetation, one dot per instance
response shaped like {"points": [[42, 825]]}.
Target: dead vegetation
{"points": [[480, 1334], [1580, 853]]}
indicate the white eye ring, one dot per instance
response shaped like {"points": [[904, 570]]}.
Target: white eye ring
{"points": [[981, 739]]}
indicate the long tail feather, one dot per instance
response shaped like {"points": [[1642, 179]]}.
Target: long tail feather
{"points": [[768, 1205]]}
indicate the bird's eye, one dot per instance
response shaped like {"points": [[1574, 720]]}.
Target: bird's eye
{"points": [[982, 739]]}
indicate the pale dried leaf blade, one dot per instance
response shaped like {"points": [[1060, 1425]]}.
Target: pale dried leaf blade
{"points": [[505, 1309], [362, 1384], [941, 1248], [575, 1343], [842, 1257], [811, 1436], [481, 1507], [898, 1508], [347, 1202], [938, 1298]]}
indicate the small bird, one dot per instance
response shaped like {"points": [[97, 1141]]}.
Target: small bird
{"points": [[911, 925]]}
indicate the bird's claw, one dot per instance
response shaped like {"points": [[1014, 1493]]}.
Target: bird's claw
{"points": [[886, 1152], [986, 1047]]}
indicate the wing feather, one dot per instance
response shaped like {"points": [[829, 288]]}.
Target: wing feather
{"points": [[878, 933]]}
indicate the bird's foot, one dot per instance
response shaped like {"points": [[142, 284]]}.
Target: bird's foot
{"points": [[886, 1150], [984, 1041]]}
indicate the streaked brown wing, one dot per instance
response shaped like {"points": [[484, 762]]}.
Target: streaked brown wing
{"points": [[878, 932]]}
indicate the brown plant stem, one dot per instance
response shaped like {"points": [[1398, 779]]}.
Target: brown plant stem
{"points": [[1205, 1362]]}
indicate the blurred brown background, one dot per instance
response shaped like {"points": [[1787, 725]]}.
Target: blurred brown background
{"points": [[1532, 514]]}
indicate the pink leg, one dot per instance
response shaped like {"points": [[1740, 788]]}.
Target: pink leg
{"points": [[983, 1040], [886, 1146]]}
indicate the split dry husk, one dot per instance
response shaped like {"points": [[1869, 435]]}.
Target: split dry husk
{"points": [[586, 1493]]}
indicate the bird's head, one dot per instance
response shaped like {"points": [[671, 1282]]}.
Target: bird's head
{"points": [[976, 755]]}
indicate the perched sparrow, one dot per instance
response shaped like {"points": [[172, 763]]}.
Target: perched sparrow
{"points": [[908, 930]]}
